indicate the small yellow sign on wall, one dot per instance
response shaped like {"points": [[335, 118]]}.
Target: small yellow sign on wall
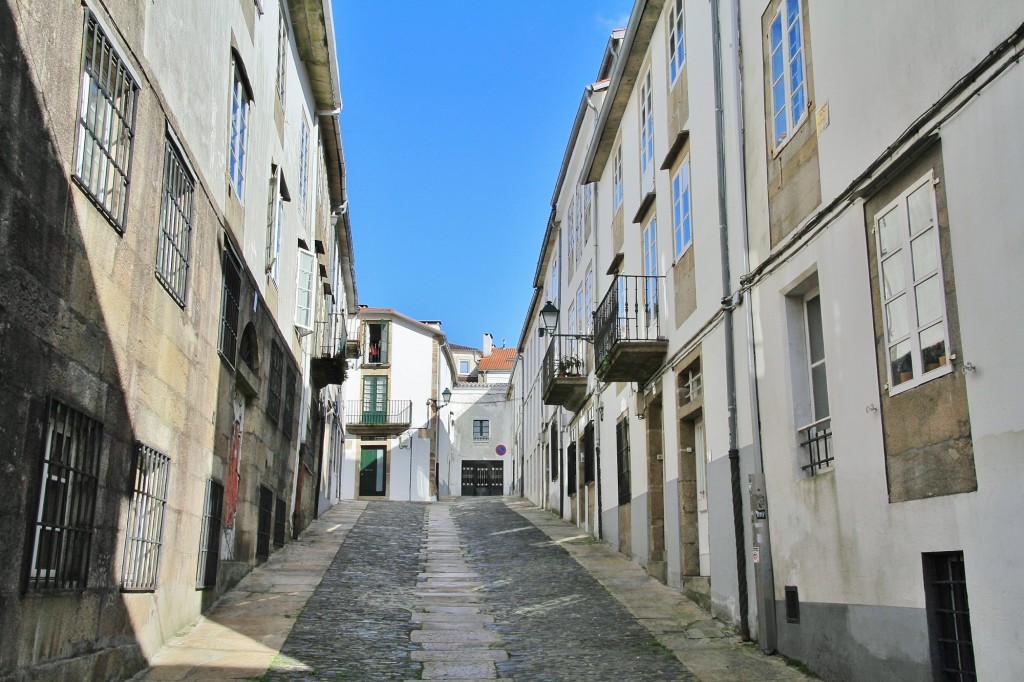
{"points": [[821, 118]]}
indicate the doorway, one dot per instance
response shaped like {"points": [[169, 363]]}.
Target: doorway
{"points": [[372, 471], [483, 477]]}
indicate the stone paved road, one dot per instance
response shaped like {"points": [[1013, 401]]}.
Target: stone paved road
{"points": [[470, 589]]}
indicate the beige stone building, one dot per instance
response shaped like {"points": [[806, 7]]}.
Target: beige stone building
{"points": [[175, 254]]}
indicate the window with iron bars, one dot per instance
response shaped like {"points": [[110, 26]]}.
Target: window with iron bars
{"points": [[274, 383], [280, 513], [949, 616], [289, 402], [589, 473], [265, 522], [145, 529], [570, 468], [481, 429], [209, 541], [106, 125], [175, 239], [229, 306], [63, 532]]}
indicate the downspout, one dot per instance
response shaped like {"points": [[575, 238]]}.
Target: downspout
{"points": [[729, 305], [593, 294], [763, 570]]}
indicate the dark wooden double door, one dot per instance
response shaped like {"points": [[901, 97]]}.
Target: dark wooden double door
{"points": [[483, 477]]}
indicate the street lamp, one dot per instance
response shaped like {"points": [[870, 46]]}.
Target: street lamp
{"points": [[549, 322], [446, 396]]}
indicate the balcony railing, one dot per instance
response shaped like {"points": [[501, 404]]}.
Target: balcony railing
{"points": [[567, 363], [628, 343], [816, 438], [327, 363], [389, 417]]}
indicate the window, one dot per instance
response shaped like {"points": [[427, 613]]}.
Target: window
{"points": [[463, 366], [788, 84], [481, 430], [280, 514], [304, 290], [588, 284], [289, 402], [241, 98], [67, 500], [106, 124], [555, 452], [265, 521], [949, 616], [572, 318], [646, 134], [570, 468], [617, 180], [581, 312], [209, 539], [650, 245], [145, 529], [912, 289], [622, 459], [274, 382], [676, 45], [275, 222], [682, 228], [555, 284], [229, 305], [174, 245], [588, 453], [303, 168], [377, 342], [816, 437], [572, 236], [282, 48], [375, 400]]}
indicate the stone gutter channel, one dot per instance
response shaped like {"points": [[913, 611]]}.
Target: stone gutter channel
{"points": [[456, 640]]}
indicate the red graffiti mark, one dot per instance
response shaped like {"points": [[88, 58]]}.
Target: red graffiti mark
{"points": [[232, 476]]}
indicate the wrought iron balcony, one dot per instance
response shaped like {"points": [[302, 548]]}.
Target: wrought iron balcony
{"points": [[327, 363], [378, 418], [564, 378], [628, 343]]}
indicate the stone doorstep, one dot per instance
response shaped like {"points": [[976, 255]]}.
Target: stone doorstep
{"points": [[443, 597], [464, 576], [450, 625], [458, 636]]}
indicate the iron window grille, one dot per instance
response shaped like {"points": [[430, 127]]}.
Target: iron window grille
{"points": [[106, 124], [555, 451], [279, 519], [209, 540], [145, 529], [229, 306], [274, 383], [816, 438], [949, 616], [289, 402], [588, 453], [265, 522], [175, 239], [622, 460], [570, 468], [63, 531], [481, 430]]}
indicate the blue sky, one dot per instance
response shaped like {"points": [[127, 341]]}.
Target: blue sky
{"points": [[456, 115]]}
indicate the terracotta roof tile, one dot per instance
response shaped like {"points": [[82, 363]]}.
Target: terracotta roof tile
{"points": [[500, 358]]}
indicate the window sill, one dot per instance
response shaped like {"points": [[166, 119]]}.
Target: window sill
{"points": [[778, 147], [940, 371], [376, 365]]}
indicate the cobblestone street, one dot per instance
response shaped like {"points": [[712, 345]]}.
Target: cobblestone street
{"points": [[467, 589]]}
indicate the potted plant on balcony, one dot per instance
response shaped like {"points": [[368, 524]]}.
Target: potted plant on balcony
{"points": [[569, 366]]}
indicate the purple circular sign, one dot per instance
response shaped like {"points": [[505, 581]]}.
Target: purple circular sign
{"points": [[500, 450]]}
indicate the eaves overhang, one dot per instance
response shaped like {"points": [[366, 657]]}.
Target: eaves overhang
{"points": [[642, 23]]}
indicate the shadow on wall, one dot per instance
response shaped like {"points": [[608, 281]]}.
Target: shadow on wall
{"points": [[60, 383]]}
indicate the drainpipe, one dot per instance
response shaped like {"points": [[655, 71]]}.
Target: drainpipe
{"points": [[598, 387], [729, 304], [763, 570]]}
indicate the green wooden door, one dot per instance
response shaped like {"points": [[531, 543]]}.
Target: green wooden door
{"points": [[372, 469]]}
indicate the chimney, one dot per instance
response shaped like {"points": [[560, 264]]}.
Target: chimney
{"points": [[488, 345]]}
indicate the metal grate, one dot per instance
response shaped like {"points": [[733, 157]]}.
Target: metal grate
{"points": [[274, 383], [950, 615], [817, 439], [175, 246], [229, 306], [622, 460], [792, 604], [266, 520], [145, 520], [570, 468], [588, 453], [556, 453], [106, 123], [67, 500], [209, 541], [279, 519]]}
